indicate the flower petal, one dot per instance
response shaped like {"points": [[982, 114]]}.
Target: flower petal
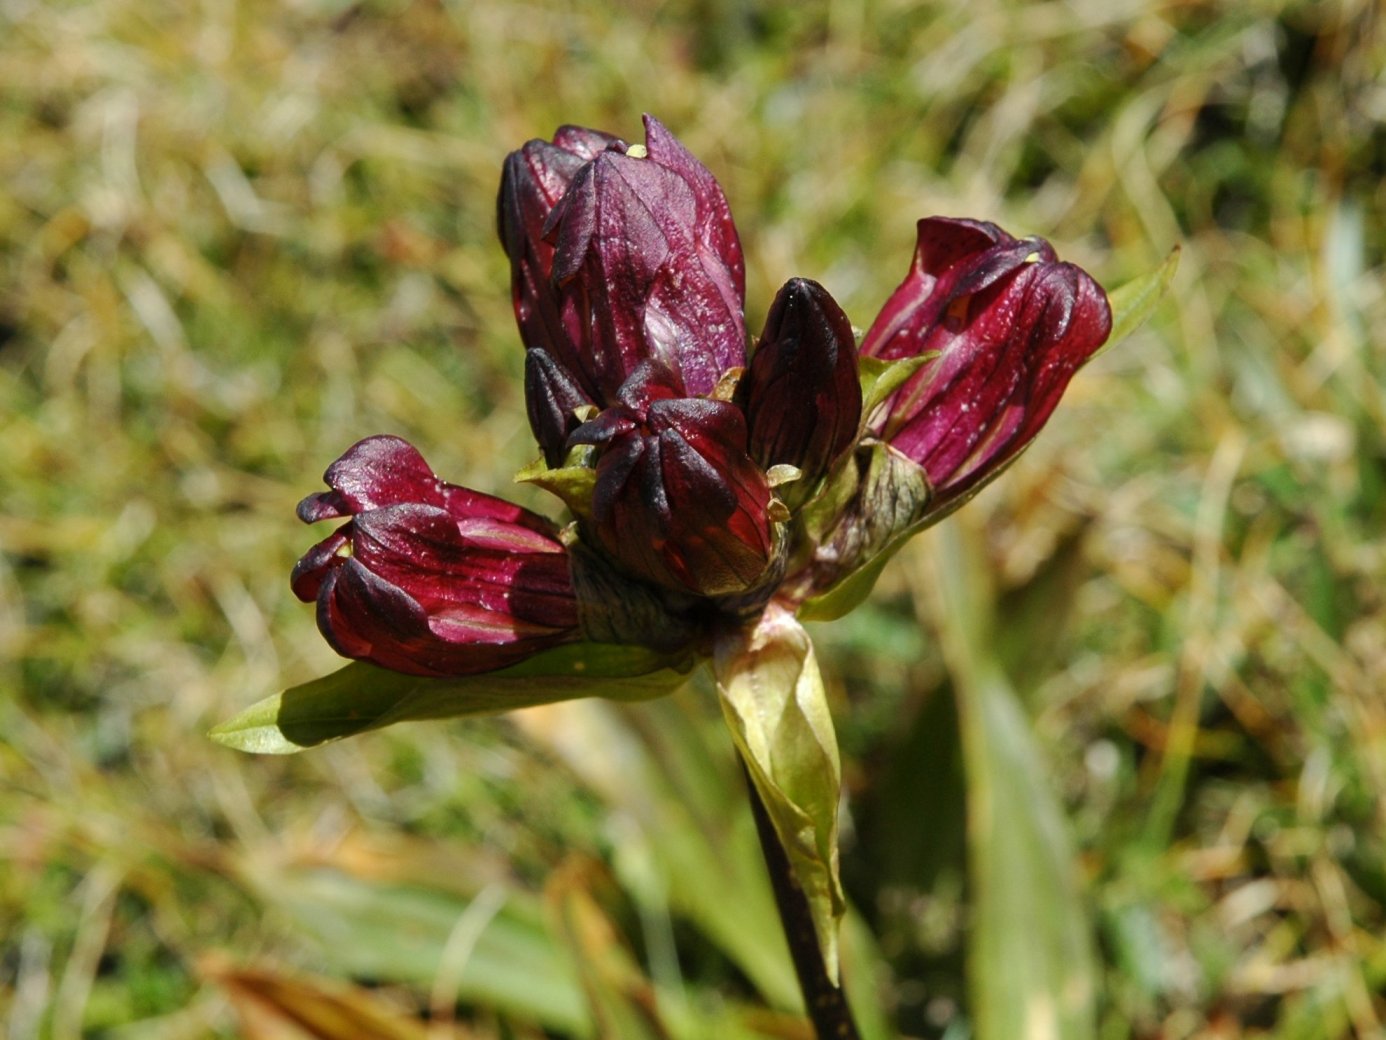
{"points": [[430, 578]]}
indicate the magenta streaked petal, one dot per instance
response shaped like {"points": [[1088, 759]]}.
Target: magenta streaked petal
{"points": [[366, 618], [1010, 324], [377, 471], [468, 623], [434, 579], [953, 258], [718, 241]]}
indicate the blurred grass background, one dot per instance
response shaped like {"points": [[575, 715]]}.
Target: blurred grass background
{"points": [[237, 236]]}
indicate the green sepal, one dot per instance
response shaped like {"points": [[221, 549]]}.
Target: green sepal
{"points": [[1137, 299], [881, 378], [362, 697], [821, 513], [777, 710], [851, 591], [572, 483], [891, 504]]}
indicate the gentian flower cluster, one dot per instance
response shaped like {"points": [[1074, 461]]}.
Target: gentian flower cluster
{"points": [[704, 483]]}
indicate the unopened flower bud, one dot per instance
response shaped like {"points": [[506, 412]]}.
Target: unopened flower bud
{"points": [[1010, 324], [647, 266], [678, 502], [801, 392]]}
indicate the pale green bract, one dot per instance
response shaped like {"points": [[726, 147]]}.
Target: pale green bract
{"points": [[773, 700]]}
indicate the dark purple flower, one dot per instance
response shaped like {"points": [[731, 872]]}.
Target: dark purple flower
{"points": [[678, 502], [620, 254], [1010, 324], [629, 284], [429, 578], [801, 393]]}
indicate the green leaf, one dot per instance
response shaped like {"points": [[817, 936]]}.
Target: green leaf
{"points": [[1031, 970], [362, 697], [850, 592], [1031, 963], [775, 706], [1137, 299]]}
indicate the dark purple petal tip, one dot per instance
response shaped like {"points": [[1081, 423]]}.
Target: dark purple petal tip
{"points": [[802, 392], [678, 502]]}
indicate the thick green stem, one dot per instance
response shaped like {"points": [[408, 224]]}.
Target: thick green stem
{"points": [[826, 1004]]}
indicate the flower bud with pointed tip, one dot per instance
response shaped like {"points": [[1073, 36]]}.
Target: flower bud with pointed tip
{"points": [[801, 392], [429, 578], [678, 502], [647, 266], [1010, 323]]}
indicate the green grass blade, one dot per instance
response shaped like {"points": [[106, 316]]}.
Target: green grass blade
{"points": [[404, 933]]}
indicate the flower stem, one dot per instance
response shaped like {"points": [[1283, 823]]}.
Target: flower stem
{"points": [[825, 1003]]}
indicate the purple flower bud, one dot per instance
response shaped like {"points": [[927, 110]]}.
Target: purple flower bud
{"points": [[1010, 324], [427, 577], [534, 181], [647, 266], [802, 394], [678, 502]]}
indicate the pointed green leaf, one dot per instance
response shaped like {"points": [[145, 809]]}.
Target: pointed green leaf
{"points": [[1031, 971], [362, 697], [776, 708], [1031, 963], [1137, 299]]}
